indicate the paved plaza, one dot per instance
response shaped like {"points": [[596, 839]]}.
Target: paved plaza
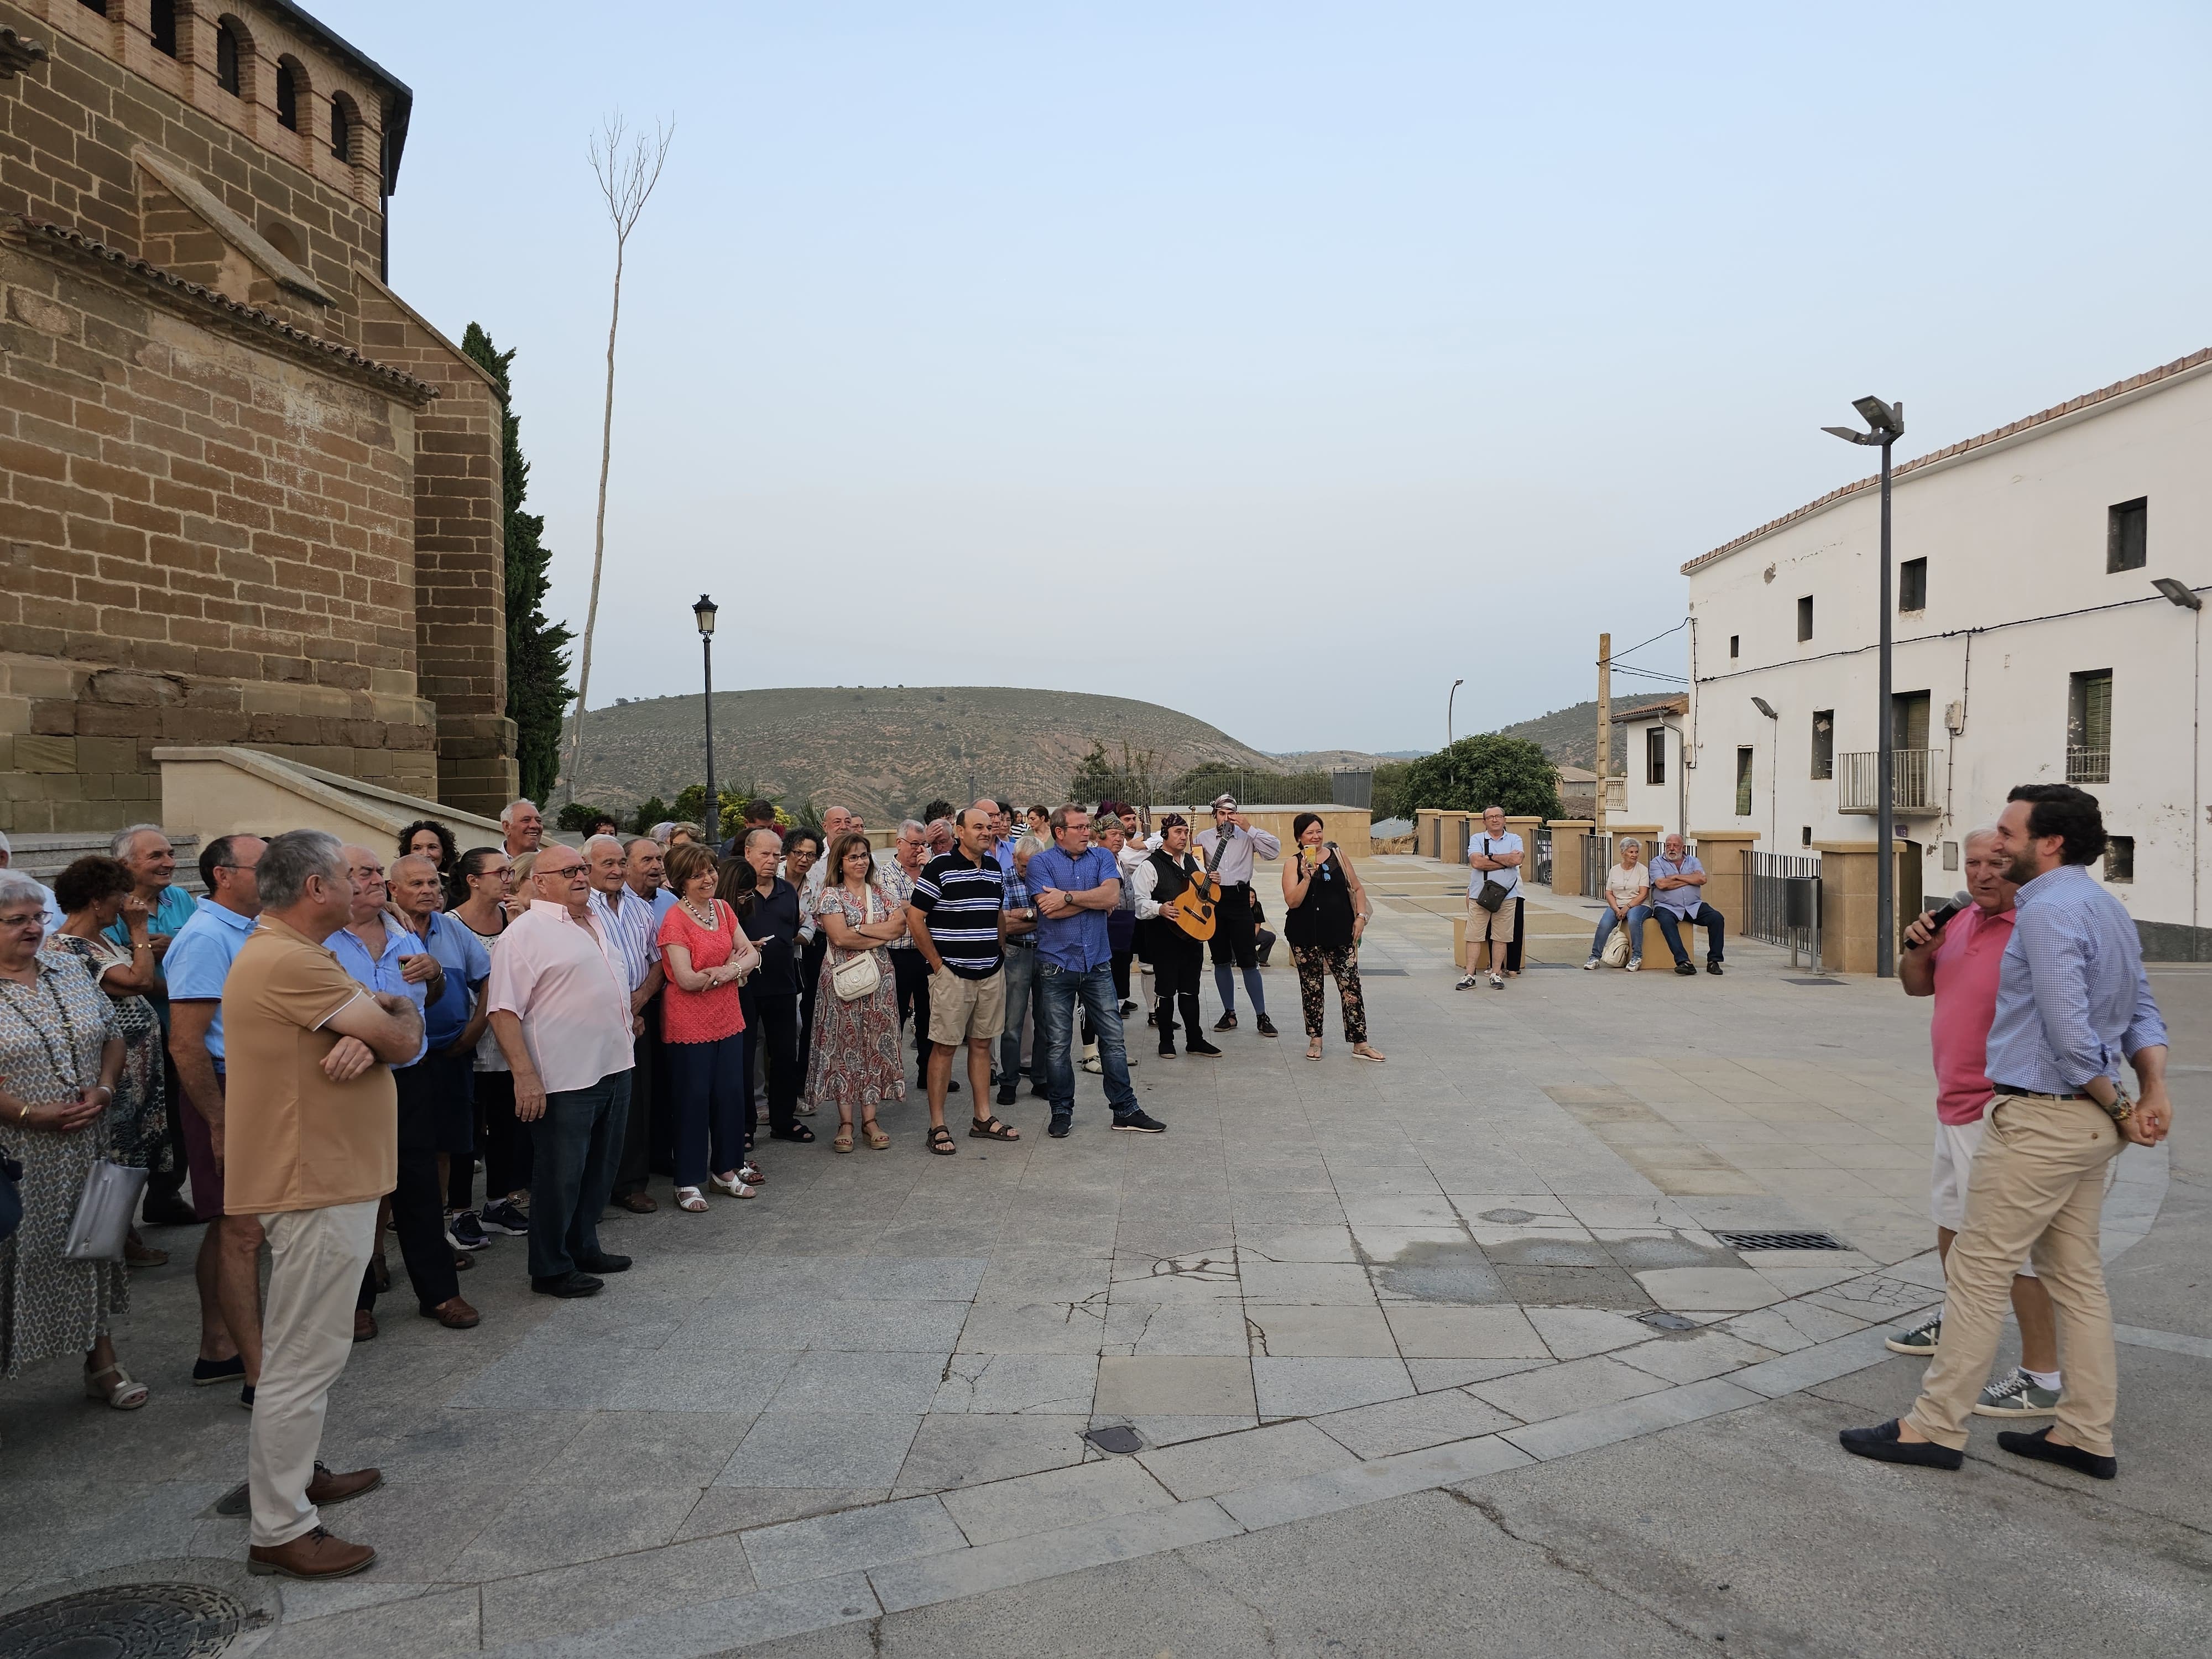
{"points": [[1450, 1355]]}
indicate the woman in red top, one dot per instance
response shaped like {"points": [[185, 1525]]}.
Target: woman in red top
{"points": [[705, 956]]}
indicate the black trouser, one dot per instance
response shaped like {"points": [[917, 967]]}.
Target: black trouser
{"points": [[779, 1030], [167, 1184], [645, 1106], [429, 1093], [810, 981], [506, 1138], [910, 974], [1177, 962]]}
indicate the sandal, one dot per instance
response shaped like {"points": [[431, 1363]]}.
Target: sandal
{"points": [[750, 1171], [125, 1395], [940, 1141], [1313, 1049], [798, 1131], [877, 1140], [843, 1143], [690, 1201], [733, 1186], [989, 1129], [1361, 1051]]}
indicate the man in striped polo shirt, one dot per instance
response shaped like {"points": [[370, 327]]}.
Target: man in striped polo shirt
{"points": [[958, 897]]}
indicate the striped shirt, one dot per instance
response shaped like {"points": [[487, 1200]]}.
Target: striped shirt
{"points": [[632, 924], [960, 900], [2073, 1000]]}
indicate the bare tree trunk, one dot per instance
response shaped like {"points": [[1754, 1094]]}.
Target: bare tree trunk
{"points": [[627, 182]]}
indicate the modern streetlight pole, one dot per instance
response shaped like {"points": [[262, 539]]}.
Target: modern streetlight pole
{"points": [[1447, 712], [704, 611], [1887, 424]]}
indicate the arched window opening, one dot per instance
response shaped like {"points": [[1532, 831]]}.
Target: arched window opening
{"points": [[161, 26], [227, 56], [341, 129], [288, 97]]}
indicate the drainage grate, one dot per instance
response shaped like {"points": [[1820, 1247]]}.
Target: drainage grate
{"points": [[129, 1621], [1660, 1320], [1117, 1439], [1812, 982], [1780, 1241], [1382, 973]]}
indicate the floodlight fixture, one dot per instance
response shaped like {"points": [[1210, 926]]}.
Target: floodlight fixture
{"points": [[1764, 708], [2180, 593]]}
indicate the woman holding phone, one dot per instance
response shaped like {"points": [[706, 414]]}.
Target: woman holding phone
{"points": [[1324, 911]]}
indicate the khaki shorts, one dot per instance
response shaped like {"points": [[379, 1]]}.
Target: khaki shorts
{"points": [[1481, 923], [966, 1009]]}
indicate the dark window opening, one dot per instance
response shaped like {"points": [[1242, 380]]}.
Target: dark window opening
{"points": [[1655, 754], [340, 132], [1805, 835], [99, 6], [288, 98], [1743, 783], [161, 27], [2127, 534], [226, 60], [1908, 719], [1736, 644], [1824, 742], [2089, 727], [1805, 617], [1912, 585], [2120, 858]]}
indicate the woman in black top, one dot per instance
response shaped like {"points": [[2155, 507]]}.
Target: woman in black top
{"points": [[1324, 912]]}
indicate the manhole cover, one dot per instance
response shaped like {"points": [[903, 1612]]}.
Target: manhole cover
{"points": [[1118, 1440], [1780, 1241], [1508, 1218], [126, 1621], [1660, 1320]]}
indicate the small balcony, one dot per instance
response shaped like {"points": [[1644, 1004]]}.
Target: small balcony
{"points": [[1915, 781], [2089, 765]]}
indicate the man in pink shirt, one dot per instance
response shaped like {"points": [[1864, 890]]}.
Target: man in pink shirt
{"points": [[559, 1005], [1958, 967]]}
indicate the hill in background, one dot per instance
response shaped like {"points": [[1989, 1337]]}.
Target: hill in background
{"points": [[1569, 736], [887, 751]]}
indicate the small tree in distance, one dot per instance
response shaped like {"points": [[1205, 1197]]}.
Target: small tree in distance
{"points": [[1486, 770]]}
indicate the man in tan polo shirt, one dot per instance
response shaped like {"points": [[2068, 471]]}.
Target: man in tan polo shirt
{"points": [[312, 1136]]}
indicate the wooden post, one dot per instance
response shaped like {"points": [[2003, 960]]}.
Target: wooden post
{"points": [[1604, 725]]}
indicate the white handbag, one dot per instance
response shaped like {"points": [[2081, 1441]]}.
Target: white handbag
{"points": [[102, 1222], [1616, 947], [858, 977]]}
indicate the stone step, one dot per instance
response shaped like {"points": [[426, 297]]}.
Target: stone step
{"points": [[43, 857]]}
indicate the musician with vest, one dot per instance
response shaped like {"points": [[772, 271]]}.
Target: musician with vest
{"points": [[1161, 878], [1228, 848]]}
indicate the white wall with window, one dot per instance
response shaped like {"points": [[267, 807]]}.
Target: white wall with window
{"points": [[2030, 646]]}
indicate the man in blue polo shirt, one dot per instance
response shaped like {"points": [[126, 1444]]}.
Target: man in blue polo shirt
{"points": [[196, 965], [1073, 885]]}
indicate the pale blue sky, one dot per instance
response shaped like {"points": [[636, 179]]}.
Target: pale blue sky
{"points": [[1280, 363]]}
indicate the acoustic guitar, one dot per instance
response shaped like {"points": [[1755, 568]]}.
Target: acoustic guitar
{"points": [[1192, 909]]}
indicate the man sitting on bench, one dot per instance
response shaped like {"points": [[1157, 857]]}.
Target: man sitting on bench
{"points": [[1678, 895]]}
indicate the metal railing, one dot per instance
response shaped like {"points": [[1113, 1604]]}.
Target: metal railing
{"points": [[1542, 877], [1916, 774], [1781, 902], [1597, 859], [2087, 765]]}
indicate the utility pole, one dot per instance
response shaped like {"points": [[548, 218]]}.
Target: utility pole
{"points": [[1604, 723]]}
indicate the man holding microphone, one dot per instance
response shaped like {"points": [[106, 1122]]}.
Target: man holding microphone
{"points": [[2073, 1001]]}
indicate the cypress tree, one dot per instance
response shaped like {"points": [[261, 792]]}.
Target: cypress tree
{"points": [[537, 689]]}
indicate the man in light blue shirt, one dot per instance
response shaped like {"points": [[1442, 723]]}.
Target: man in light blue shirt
{"points": [[1678, 895], [2073, 1001], [1074, 884]]}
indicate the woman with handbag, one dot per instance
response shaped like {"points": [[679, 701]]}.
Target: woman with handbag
{"points": [[855, 1062], [1627, 896], [702, 1025], [93, 894], [61, 1060]]}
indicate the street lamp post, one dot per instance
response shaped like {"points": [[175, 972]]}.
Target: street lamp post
{"points": [[704, 611], [1885, 423], [1447, 712]]}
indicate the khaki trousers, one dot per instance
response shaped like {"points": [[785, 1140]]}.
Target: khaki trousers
{"points": [[306, 1331], [2037, 1192]]}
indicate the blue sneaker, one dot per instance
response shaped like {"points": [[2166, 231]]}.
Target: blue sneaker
{"points": [[1061, 1124], [464, 1232], [505, 1216]]}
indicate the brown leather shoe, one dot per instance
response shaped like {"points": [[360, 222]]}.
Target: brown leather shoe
{"points": [[364, 1325], [329, 1486], [453, 1314], [312, 1555], [638, 1203], [462, 1261]]}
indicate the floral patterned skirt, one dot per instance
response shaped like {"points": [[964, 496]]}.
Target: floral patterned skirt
{"points": [[50, 1305], [856, 1061]]}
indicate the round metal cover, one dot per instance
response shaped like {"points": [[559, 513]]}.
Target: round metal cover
{"points": [[125, 1622]]}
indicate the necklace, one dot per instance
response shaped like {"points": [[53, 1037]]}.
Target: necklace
{"points": [[66, 1070], [711, 921]]}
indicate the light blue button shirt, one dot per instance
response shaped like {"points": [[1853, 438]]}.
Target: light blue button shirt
{"points": [[382, 975], [2073, 1000]]}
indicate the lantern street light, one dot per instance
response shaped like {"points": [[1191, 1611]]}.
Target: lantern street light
{"points": [[704, 611], [1885, 423]]}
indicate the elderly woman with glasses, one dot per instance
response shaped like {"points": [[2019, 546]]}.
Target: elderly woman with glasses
{"points": [[1627, 904], [61, 1062]]}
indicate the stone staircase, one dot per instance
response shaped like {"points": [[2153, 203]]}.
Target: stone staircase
{"points": [[44, 857]]}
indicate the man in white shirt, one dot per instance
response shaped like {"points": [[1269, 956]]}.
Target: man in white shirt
{"points": [[1228, 850], [1494, 854]]}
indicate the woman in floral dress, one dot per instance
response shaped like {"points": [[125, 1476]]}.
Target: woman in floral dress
{"points": [[61, 1056], [856, 1060]]}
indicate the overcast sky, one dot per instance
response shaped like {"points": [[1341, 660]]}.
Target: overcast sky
{"points": [[1279, 362]]}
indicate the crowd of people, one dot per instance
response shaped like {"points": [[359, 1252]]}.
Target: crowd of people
{"points": [[318, 1055]]}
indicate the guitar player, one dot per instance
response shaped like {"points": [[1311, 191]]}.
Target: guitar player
{"points": [[1228, 848], [1158, 880]]}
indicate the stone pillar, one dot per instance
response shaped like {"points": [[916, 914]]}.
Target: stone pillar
{"points": [[1848, 874], [1720, 851], [1424, 832], [1570, 840]]}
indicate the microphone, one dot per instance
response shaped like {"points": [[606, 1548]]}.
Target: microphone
{"points": [[1959, 901]]}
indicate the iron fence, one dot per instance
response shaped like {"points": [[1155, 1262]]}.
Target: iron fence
{"points": [[1543, 875], [1597, 859], [1781, 902]]}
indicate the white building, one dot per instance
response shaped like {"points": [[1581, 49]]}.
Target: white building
{"points": [[2030, 646]]}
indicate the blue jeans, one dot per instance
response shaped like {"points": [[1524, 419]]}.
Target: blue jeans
{"points": [[574, 1150], [1608, 922], [710, 1090], [1060, 989], [1022, 993], [1711, 920]]}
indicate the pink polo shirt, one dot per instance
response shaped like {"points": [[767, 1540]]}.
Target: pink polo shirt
{"points": [[567, 984], [1967, 962]]}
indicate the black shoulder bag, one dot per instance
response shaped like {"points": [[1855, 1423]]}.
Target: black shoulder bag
{"points": [[1494, 892]]}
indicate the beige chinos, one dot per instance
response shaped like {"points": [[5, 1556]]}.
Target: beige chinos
{"points": [[317, 1259], [2037, 1191]]}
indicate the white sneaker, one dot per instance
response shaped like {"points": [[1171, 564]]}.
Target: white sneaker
{"points": [[1635, 965], [1592, 963]]}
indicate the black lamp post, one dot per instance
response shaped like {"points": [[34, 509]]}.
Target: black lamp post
{"points": [[704, 610], [1887, 424]]}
